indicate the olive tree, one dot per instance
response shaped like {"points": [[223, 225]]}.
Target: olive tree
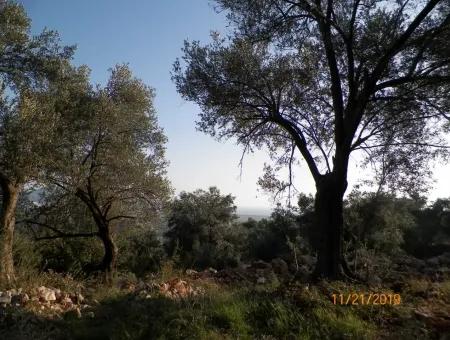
{"points": [[113, 161], [31, 72], [323, 80]]}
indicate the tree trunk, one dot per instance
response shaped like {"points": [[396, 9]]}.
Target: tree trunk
{"points": [[108, 264], [10, 194], [329, 225]]}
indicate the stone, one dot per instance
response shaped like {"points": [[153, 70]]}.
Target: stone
{"points": [[77, 298], [261, 280], [212, 270], [5, 299], [20, 299], [80, 298], [58, 294], [46, 294], [67, 302]]}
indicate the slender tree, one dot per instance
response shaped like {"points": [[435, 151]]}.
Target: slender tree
{"points": [[324, 79], [113, 160]]}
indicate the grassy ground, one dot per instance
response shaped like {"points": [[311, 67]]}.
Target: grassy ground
{"points": [[272, 311]]}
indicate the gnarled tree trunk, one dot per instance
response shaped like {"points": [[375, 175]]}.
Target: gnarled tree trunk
{"points": [[10, 193], [329, 225], [108, 264]]}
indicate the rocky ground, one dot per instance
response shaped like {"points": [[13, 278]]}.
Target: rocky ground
{"points": [[46, 310]]}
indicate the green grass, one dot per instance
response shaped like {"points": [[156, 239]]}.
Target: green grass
{"points": [[228, 314], [224, 312]]}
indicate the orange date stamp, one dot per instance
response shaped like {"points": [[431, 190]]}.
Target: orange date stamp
{"points": [[366, 299]]}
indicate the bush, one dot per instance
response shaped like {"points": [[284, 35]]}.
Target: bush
{"points": [[140, 251], [279, 236], [203, 230], [71, 255], [26, 254]]}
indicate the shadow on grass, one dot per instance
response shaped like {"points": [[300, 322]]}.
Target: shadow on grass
{"points": [[240, 314]]}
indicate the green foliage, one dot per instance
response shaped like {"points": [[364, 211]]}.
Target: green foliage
{"points": [[27, 255], [34, 74], [378, 221], [431, 235], [140, 251], [202, 227], [117, 151], [274, 237], [71, 256]]}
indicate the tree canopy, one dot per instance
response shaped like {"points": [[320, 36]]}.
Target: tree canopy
{"points": [[323, 80]]}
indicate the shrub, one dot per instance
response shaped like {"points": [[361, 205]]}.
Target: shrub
{"points": [[140, 251]]}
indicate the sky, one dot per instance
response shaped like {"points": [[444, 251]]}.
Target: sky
{"points": [[149, 35]]}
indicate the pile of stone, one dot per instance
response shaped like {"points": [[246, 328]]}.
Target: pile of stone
{"points": [[179, 289], [44, 300], [13, 297], [175, 288]]}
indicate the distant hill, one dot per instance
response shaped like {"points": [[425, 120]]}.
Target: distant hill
{"points": [[244, 218], [257, 214]]}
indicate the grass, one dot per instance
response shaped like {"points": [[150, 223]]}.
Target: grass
{"points": [[235, 312]]}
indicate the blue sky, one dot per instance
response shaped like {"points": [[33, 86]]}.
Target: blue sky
{"points": [[149, 35]]}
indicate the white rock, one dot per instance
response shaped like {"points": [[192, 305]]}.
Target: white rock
{"points": [[5, 299], [49, 296], [46, 294], [261, 280]]}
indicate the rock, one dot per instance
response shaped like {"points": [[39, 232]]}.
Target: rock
{"points": [[5, 299], [25, 298], [191, 272], [212, 270], [176, 288], [46, 294], [77, 298], [58, 294], [67, 302], [20, 299], [141, 285], [90, 315], [80, 298], [261, 280]]}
